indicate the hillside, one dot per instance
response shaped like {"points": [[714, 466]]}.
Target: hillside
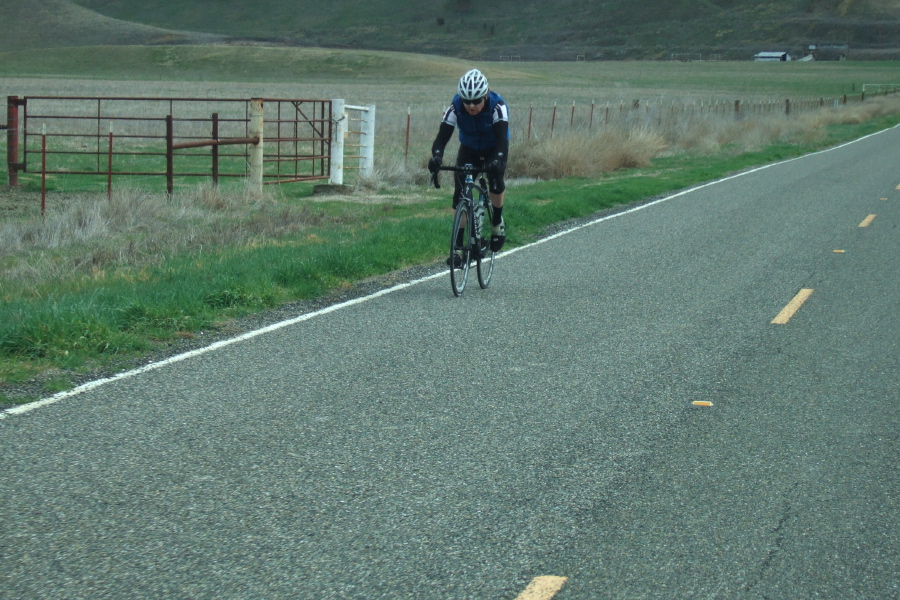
{"points": [[29, 24], [529, 29]]}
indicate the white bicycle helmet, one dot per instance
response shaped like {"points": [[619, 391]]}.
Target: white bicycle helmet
{"points": [[473, 85]]}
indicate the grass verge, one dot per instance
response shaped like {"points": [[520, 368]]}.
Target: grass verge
{"points": [[56, 329]]}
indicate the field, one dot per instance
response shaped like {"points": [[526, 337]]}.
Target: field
{"points": [[400, 84], [101, 283], [548, 30]]}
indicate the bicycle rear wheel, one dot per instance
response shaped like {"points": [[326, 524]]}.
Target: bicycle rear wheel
{"points": [[459, 269], [485, 261]]}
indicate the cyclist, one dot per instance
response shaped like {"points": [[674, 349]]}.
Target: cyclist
{"points": [[483, 121]]}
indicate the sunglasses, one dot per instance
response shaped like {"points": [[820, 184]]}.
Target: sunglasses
{"points": [[473, 102]]}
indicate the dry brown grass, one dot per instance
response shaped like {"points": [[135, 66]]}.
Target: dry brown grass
{"points": [[134, 228], [583, 154], [87, 233]]}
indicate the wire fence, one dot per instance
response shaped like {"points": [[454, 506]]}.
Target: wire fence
{"points": [[548, 120]]}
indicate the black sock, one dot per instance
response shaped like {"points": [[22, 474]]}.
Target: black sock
{"points": [[460, 237], [498, 216]]}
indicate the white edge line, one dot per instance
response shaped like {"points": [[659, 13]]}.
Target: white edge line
{"points": [[26, 408]]}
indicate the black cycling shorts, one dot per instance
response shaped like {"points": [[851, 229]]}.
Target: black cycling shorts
{"points": [[477, 159]]}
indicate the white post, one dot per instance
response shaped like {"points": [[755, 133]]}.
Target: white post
{"points": [[367, 168], [256, 153], [339, 130]]}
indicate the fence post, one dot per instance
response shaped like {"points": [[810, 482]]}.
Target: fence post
{"points": [[553, 120], [367, 168], [170, 160], [215, 149], [408, 119], [530, 116], [339, 129], [109, 164], [257, 125], [43, 170], [12, 139], [787, 106]]}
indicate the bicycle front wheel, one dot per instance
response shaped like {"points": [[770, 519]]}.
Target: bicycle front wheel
{"points": [[485, 260], [459, 253]]}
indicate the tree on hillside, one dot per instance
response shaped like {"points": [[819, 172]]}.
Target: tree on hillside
{"points": [[462, 6]]}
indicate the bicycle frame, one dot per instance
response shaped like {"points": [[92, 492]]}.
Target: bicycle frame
{"points": [[474, 246]]}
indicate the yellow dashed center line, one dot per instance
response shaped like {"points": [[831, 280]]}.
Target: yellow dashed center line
{"points": [[793, 306], [867, 221], [542, 588]]}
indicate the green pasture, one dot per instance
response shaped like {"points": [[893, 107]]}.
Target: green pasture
{"points": [[141, 165], [285, 67], [411, 90], [85, 322], [70, 325], [559, 29]]}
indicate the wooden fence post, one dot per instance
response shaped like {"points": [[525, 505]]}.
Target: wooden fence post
{"points": [[530, 117], [553, 120], [367, 137], [43, 170], [215, 149], [408, 119], [170, 159], [257, 125], [12, 139], [339, 128], [109, 165]]}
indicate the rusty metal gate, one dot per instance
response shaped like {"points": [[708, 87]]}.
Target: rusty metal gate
{"points": [[175, 138]]}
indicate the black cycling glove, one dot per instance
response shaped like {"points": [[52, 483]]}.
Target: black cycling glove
{"points": [[497, 166]]}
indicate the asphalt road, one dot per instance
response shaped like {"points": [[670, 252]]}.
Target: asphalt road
{"points": [[418, 446]]}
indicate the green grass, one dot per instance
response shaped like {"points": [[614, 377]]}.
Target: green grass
{"points": [[553, 29], [597, 80], [78, 323], [85, 322], [88, 320], [740, 79], [229, 63]]}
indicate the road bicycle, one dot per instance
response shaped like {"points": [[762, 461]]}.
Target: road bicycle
{"points": [[474, 207]]}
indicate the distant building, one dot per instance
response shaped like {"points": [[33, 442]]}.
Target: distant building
{"points": [[772, 57], [829, 51]]}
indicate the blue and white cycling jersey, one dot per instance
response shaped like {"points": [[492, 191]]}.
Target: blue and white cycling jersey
{"points": [[477, 132]]}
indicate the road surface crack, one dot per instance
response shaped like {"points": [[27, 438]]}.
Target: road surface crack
{"points": [[779, 535]]}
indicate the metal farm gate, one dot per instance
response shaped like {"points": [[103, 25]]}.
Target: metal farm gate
{"points": [[174, 138]]}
